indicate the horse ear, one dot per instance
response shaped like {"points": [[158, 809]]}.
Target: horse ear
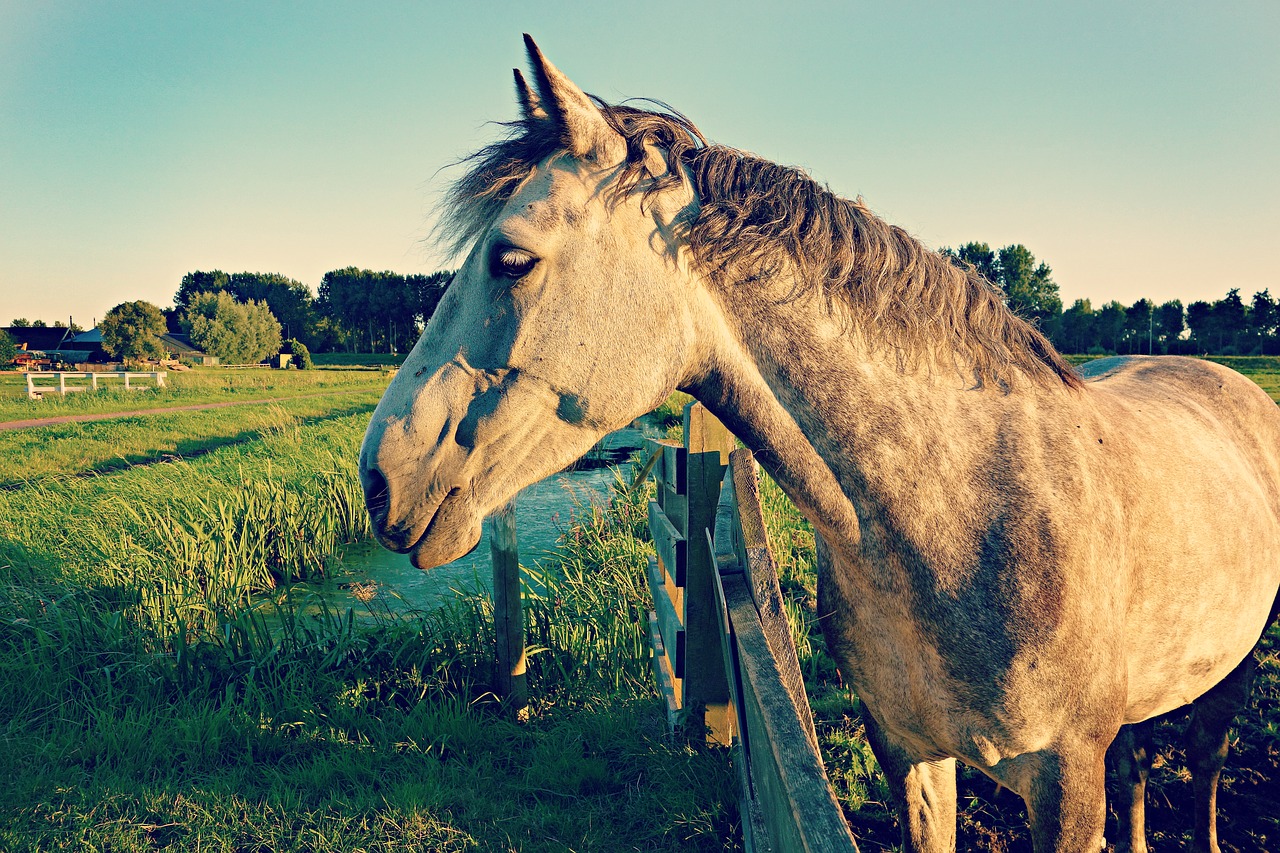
{"points": [[530, 107], [582, 125]]}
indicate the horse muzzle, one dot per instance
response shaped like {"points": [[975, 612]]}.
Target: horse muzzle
{"points": [[433, 530]]}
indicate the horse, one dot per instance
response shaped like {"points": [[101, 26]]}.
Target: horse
{"points": [[1015, 559]]}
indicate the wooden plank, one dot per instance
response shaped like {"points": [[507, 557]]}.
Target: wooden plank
{"points": [[672, 548], [668, 685], [508, 613], [670, 622], [673, 468], [766, 593], [706, 685], [789, 782], [703, 432]]}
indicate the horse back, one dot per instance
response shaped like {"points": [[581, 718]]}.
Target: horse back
{"points": [[1193, 470]]}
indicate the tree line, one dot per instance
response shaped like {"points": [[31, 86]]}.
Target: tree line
{"points": [[236, 316], [355, 310], [1227, 326]]}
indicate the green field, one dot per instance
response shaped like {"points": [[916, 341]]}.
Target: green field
{"points": [[166, 684], [187, 388]]}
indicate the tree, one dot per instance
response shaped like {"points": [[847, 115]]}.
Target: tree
{"points": [[1139, 326], [980, 256], [1229, 314], [1076, 330], [20, 323], [237, 333], [1170, 323], [1029, 289], [1263, 317], [1200, 321], [131, 331], [1110, 326], [290, 301], [8, 349], [428, 290], [376, 310], [301, 355]]}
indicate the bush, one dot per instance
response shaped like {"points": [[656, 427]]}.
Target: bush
{"points": [[301, 355]]}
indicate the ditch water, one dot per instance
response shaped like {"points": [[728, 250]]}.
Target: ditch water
{"points": [[543, 511]]}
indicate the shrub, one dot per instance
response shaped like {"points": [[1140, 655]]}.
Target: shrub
{"points": [[301, 355]]}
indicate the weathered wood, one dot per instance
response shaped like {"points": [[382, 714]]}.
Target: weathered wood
{"points": [[703, 432], [762, 576], [670, 621], [508, 614], [668, 684], [672, 548], [706, 682], [789, 782], [673, 468]]}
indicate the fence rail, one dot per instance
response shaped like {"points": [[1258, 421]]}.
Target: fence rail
{"points": [[36, 392], [723, 654]]}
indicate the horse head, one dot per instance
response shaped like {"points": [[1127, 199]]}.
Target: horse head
{"points": [[564, 322]]}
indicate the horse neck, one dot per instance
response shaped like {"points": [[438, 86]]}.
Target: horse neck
{"points": [[844, 427]]}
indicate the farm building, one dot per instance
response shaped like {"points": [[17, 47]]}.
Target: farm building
{"points": [[38, 346]]}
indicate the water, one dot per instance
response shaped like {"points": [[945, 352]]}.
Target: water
{"points": [[543, 512]]}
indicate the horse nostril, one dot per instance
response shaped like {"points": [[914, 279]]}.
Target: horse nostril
{"points": [[376, 493]]}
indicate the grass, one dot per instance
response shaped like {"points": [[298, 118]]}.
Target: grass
{"points": [[160, 686], [96, 447], [164, 685]]}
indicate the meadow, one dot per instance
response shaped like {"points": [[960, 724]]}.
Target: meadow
{"points": [[167, 680], [186, 388]]}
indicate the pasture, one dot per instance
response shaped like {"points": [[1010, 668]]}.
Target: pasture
{"points": [[166, 683]]}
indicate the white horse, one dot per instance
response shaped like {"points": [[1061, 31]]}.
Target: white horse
{"points": [[1014, 561]]}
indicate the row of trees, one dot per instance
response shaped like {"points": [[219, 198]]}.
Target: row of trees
{"points": [[355, 309], [242, 317], [1227, 326]]}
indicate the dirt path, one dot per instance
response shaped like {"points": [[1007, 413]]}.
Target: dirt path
{"points": [[102, 416]]}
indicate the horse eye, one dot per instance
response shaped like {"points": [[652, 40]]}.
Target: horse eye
{"points": [[513, 263]]}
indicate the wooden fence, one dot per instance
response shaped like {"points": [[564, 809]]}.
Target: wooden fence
{"points": [[35, 391], [723, 654]]}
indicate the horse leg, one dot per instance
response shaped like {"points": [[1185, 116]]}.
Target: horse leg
{"points": [[1067, 803], [924, 793], [1130, 757], [1211, 718]]}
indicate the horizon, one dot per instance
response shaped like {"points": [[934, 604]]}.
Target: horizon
{"points": [[1125, 147]]}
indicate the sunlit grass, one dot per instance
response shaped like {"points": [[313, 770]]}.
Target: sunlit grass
{"points": [[107, 445]]}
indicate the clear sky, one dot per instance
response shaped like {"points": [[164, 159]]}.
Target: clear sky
{"points": [[1134, 146]]}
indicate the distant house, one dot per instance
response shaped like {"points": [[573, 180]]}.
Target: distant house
{"points": [[86, 348], [38, 346], [180, 347]]}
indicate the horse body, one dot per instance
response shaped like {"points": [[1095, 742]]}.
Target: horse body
{"points": [[1013, 562]]}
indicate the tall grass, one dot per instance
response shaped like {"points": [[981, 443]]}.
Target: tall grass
{"points": [[156, 689]]}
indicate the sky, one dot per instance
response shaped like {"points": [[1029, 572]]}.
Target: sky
{"points": [[1132, 146]]}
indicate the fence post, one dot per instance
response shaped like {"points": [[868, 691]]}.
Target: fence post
{"points": [[508, 614], [706, 686]]}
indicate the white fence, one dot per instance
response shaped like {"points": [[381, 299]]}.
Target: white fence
{"points": [[94, 381]]}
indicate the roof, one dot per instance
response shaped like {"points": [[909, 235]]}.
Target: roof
{"points": [[37, 337], [179, 344], [93, 336]]}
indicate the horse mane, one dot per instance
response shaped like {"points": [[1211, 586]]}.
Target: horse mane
{"points": [[758, 218]]}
